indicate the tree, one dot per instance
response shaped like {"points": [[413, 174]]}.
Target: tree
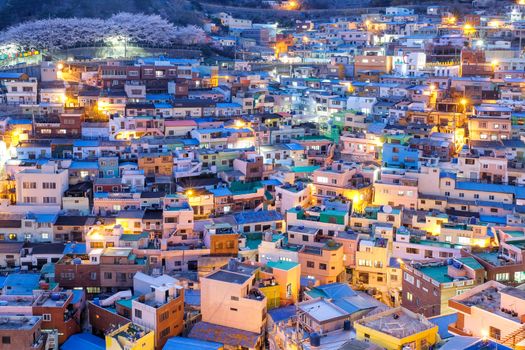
{"points": [[62, 33]]}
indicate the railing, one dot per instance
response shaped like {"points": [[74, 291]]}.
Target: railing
{"points": [[453, 329]]}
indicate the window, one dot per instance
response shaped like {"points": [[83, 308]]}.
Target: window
{"points": [[502, 276], [322, 266], [6, 340], [138, 313], [310, 264], [49, 185], [46, 317], [108, 275], [165, 332], [408, 278], [491, 198], [49, 200], [495, 333], [164, 316], [412, 251], [322, 179], [29, 185], [233, 309], [409, 296], [68, 276], [234, 298]]}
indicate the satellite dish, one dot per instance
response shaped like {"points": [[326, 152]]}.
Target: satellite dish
{"points": [[387, 209]]}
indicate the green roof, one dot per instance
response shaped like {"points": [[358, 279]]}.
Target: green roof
{"points": [[471, 262], [126, 302], [238, 187], [282, 265], [437, 273], [337, 214], [313, 138], [305, 169], [253, 239], [517, 243], [134, 237], [514, 233], [439, 244]]}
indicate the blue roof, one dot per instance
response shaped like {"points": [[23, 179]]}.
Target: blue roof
{"points": [[2, 281], [447, 174], [20, 122], [83, 165], [75, 248], [282, 313], [228, 105], [335, 290], [163, 105], [21, 283], [84, 341], [443, 321], [506, 206], [86, 143], [45, 218], [180, 343], [294, 146], [249, 217], [10, 75], [271, 182], [493, 219], [189, 142], [471, 343], [226, 335], [77, 295], [152, 97], [221, 192], [519, 192], [192, 297]]}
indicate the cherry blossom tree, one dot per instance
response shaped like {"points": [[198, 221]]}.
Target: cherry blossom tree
{"points": [[60, 33]]}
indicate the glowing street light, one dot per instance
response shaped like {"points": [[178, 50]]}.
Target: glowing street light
{"points": [[468, 29]]}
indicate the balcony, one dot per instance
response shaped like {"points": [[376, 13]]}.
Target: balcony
{"points": [[458, 331]]}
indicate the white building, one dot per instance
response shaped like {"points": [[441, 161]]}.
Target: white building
{"points": [[44, 186]]}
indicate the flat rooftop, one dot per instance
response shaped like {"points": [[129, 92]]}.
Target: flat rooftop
{"points": [[489, 299], [229, 276], [397, 323], [322, 310], [18, 322], [303, 229]]}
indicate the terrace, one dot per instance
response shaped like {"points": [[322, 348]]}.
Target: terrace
{"points": [[489, 299], [399, 323]]}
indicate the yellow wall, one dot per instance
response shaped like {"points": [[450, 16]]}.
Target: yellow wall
{"points": [[391, 343], [273, 294], [147, 342]]}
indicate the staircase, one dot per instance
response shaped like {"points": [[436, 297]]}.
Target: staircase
{"points": [[514, 337]]}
